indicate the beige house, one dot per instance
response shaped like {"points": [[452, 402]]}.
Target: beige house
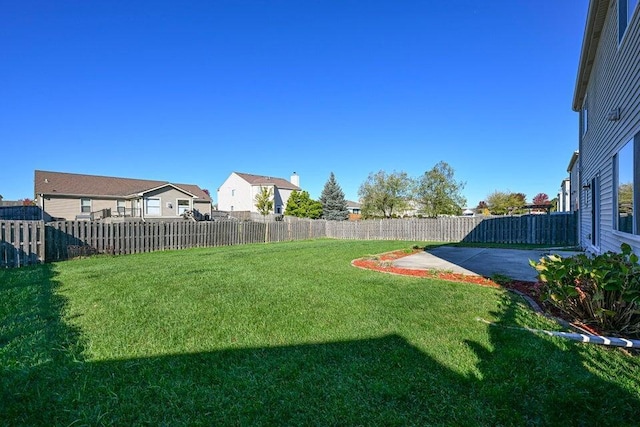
{"points": [[73, 196], [238, 192], [607, 96]]}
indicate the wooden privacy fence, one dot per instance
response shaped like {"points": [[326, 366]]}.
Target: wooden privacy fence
{"points": [[555, 230], [20, 213], [21, 243], [446, 229], [68, 239], [30, 242]]}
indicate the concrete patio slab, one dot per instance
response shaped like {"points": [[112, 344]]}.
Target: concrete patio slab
{"points": [[486, 262]]}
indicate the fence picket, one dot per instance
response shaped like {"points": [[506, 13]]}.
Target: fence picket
{"points": [[30, 242]]}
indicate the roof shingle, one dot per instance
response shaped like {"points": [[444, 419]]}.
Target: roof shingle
{"points": [[71, 184], [267, 180]]}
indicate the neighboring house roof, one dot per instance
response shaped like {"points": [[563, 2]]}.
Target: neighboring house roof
{"points": [[595, 21], [573, 160], [71, 184], [352, 204], [267, 180]]}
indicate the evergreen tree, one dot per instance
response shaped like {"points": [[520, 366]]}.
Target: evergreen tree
{"points": [[301, 205], [334, 205]]}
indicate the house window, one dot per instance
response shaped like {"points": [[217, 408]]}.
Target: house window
{"points": [[625, 13], [625, 196], [183, 206], [152, 206], [85, 205], [120, 204], [233, 193]]}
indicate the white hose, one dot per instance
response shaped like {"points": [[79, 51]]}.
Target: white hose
{"points": [[574, 336]]}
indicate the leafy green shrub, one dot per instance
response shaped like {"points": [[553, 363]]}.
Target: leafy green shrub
{"points": [[603, 291]]}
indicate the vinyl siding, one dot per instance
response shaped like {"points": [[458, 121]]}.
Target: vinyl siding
{"points": [[576, 187], [69, 207], [613, 83], [204, 207], [168, 201], [242, 200]]}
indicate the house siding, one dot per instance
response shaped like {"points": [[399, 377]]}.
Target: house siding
{"points": [[69, 207], [204, 207], [169, 197], [575, 187], [239, 201], [243, 199], [61, 207], [614, 83]]}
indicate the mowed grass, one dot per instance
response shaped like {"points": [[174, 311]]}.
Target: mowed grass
{"points": [[287, 334]]}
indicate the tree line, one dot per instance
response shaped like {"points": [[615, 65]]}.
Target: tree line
{"points": [[387, 195], [332, 204]]}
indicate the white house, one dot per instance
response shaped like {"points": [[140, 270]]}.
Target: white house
{"points": [[574, 182], [564, 196], [238, 192], [607, 96]]}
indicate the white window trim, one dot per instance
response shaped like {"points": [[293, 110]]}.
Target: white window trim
{"points": [[634, 236], [627, 19], [146, 207], [82, 205], [189, 207]]}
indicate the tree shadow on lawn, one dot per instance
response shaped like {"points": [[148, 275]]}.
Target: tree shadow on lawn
{"points": [[377, 381]]}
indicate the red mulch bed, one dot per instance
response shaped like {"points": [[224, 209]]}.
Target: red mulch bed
{"points": [[384, 263]]}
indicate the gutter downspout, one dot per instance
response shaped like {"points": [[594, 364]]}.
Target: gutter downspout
{"points": [[141, 202]]}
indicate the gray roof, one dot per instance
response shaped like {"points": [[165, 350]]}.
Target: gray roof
{"points": [[71, 184], [267, 180]]}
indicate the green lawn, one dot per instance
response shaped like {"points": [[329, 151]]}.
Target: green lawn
{"points": [[287, 334]]}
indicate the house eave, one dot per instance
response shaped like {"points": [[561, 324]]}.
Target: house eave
{"points": [[596, 16], [83, 196], [572, 162], [142, 193]]}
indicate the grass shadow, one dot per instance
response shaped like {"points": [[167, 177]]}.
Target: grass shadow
{"points": [[38, 350], [555, 381], [382, 380]]}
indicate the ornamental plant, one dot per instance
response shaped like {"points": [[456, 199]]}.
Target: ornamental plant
{"points": [[601, 291]]}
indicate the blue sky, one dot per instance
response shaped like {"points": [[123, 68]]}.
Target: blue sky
{"points": [[189, 92]]}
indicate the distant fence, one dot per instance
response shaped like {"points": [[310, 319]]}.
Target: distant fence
{"points": [[21, 243], [20, 213], [556, 229], [29, 242]]}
